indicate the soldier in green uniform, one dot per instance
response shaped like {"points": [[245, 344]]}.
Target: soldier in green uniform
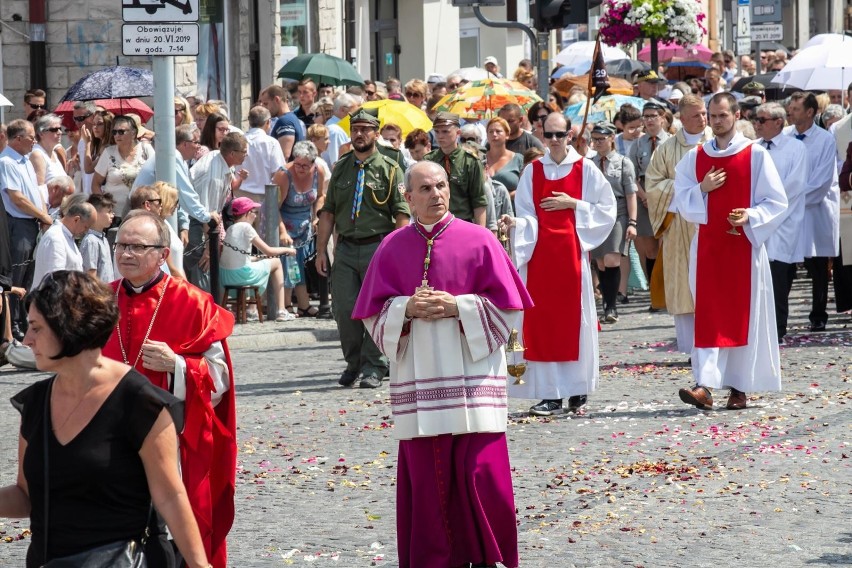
{"points": [[467, 178], [364, 203]]}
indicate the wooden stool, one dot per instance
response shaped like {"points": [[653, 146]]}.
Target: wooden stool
{"points": [[240, 301]]}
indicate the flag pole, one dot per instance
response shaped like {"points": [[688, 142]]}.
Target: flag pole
{"points": [[589, 89]]}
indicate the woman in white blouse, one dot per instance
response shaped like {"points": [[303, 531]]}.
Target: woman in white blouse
{"points": [[119, 163]]}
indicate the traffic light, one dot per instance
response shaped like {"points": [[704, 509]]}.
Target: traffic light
{"points": [[554, 14]]}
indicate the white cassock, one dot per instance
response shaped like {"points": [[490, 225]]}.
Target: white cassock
{"points": [[790, 157], [755, 366], [462, 406], [821, 223], [594, 218]]}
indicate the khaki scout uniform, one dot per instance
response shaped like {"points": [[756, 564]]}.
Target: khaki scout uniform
{"points": [[382, 201], [464, 172]]}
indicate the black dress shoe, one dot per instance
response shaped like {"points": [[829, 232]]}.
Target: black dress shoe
{"points": [[347, 378], [576, 402], [547, 408], [622, 299], [653, 310], [815, 326]]}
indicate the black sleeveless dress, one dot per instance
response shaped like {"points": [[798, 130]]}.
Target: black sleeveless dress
{"points": [[98, 489]]}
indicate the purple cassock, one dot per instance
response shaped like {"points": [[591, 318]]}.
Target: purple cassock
{"points": [[455, 502], [466, 259]]}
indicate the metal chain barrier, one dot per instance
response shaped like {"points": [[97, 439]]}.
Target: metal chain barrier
{"points": [[247, 253]]}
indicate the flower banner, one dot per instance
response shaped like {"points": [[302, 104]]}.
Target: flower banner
{"points": [[624, 22]]}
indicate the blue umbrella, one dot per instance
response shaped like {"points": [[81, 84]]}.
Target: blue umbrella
{"points": [[604, 109], [116, 82]]}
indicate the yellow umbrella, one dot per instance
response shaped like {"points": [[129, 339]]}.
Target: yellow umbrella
{"points": [[405, 115]]}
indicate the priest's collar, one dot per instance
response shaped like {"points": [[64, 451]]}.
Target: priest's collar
{"points": [[131, 289], [571, 157], [441, 222]]}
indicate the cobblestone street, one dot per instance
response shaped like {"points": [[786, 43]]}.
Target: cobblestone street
{"points": [[640, 479]]}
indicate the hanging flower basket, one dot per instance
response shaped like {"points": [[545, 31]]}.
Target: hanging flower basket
{"points": [[624, 22]]}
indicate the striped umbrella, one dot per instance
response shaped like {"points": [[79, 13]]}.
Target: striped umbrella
{"points": [[484, 99]]}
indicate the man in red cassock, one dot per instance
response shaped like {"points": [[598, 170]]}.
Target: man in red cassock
{"points": [[175, 335]]}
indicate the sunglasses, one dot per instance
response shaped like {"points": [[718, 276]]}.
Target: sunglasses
{"points": [[557, 135], [119, 131], [54, 129], [181, 109], [369, 93], [541, 117], [82, 117], [469, 140], [412, 95], [763, 119], [37, 107]]}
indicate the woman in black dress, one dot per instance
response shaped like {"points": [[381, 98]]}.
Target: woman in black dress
{"points": [[110, 435]]}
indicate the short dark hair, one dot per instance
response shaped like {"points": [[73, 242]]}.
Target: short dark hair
{"points": [[78, 308], [807, 99], [629, 113], [415, 137], [102, 200], [34, 93], [233, 142], [17, 128], [733, 105], [142, 194]]}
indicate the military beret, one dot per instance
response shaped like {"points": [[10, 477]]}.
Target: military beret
{"points": [[445, 118], [753, 87], [750, 102], [370, 115], [605, 128]]}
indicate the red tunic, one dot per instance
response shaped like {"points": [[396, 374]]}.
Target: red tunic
{"points": [[554, 274], [723, 270], [189, 321]]}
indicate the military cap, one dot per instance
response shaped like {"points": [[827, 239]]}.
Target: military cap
{"points": [[750, 102], [605, 128], [654, 105], [370, 115], [753, 88], [650, 76], [444, 118]]}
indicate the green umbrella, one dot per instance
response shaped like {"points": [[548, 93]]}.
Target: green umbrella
{"points": [[321, 68]]}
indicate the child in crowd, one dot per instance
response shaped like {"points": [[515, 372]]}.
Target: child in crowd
{"points": [[94, 248]]}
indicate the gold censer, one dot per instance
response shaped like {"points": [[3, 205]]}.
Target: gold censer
{"points": [[515, 367]]}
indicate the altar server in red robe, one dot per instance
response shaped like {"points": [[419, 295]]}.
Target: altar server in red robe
{"points": [[565, 208], [730, 188], [174, 334]]}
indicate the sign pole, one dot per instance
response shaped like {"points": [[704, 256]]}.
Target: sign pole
{"points": [[164, 118]]}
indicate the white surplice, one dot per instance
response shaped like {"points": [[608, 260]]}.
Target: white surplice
{"points": [[448, 376], [755, 366], [790, 157], [594, 219]]}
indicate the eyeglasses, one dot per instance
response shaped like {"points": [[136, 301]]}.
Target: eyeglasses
{"points": [[650, 116], [82, 118], [134, 248], [37, 107], [181, 109], [762, 119], [53, 129], [119, 131], [596, 140], [222, 129], [469, 139], [557, 135], [413, 95], [540, 117], [157, 201]]}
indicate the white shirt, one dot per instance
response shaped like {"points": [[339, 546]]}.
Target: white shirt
{"points": [[821, 225], [790, 158], [262, 161], [337, 137], [239, 235], [56, 251], [212, 177]]}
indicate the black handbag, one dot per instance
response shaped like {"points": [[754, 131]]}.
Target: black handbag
{"points": [[121, 554]]}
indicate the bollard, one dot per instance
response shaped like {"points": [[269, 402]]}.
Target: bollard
{"points": [[271, 218], [213, 247]]}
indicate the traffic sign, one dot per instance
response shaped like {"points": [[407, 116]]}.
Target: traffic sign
{"points": [[159, 10], [743, 21], [743, 45], [767, 32], [766, 12], [159, 39]]}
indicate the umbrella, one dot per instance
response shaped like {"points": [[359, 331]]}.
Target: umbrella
{"points": [[322, 68], [668, 51], [774, 91], [679, 69], [4, 102], [483, 99], [616, 86], [821, 67], [604, 109], [820, 39], [115, 106], [405, 115], [471, 73], [117, 82], [619, 67], [580, 52]]}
